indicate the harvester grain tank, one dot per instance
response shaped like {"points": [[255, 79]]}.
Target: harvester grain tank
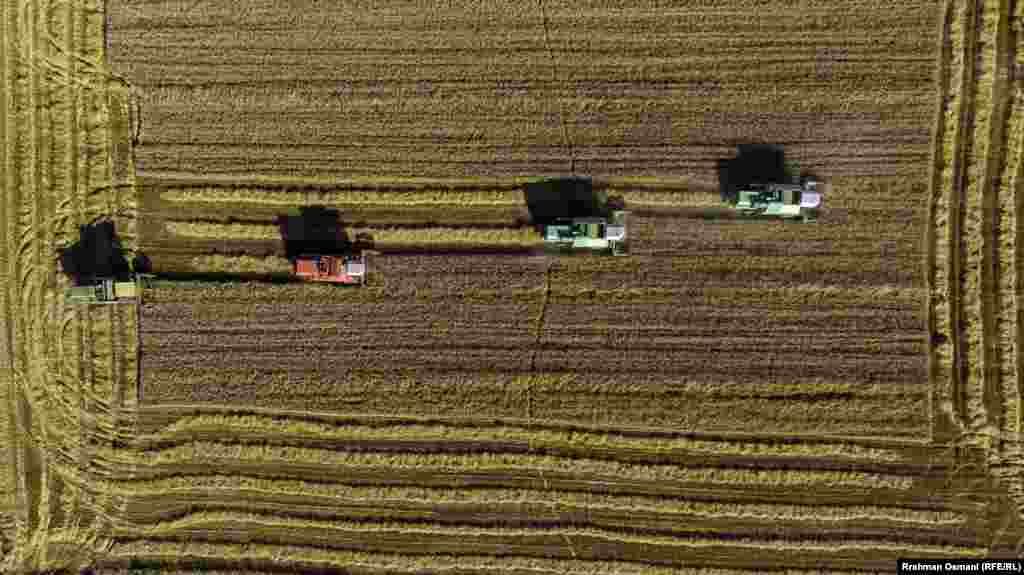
{"points": [[346, 270], [594, 233], [785, 201]]}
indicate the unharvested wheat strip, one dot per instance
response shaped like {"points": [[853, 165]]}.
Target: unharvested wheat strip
{"points": [[958, 172], [276, 429], [975, 243], [997, 155], [229, 486], [946, 273], [686, 199], [172, 412], [314, 557], [301, 197], [936, 228], [220, 453], [383, 236], [241, 264], [13, 515], [452, 537], [339, 529], [1010, 319]]}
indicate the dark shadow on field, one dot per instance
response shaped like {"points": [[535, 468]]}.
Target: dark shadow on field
{"points": [[98, 253], [572, 197], [225, 277], [754, 164], [316, 230]]}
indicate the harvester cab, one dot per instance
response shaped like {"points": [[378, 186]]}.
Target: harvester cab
{"points": [[345, 270]]}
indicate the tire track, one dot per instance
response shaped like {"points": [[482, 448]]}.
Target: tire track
{"points": [[938, 305], [566, 141], [957, 243]]}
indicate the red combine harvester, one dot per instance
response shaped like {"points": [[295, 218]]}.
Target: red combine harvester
{"points": [[350, 270]]}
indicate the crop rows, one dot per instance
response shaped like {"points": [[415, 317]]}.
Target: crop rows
{"points": [[747, 395], [194, 351], [465, 97]]}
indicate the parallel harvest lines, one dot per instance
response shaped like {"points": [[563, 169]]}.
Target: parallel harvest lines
{"points": [[949, 182], [165, 418], [981, 156], [1009, 322], [272, 558], [14, 514], [175, 496], [568, 543]]}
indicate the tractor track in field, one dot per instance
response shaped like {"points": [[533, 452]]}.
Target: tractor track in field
{"points": [[957, 245]]}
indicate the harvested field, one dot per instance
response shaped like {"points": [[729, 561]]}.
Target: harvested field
{"points": [[734, 396]]}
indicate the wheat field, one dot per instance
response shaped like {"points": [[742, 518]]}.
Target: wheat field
{"points": [[734, 397]]}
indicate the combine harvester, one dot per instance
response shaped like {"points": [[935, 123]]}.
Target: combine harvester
{"points": [[571, 215], [105, 291], [785, 201], [344, 270], [606, 235]]}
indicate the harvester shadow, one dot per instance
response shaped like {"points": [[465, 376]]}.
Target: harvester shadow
{"points": [[318, 230], [554, 199], [227, 277], [98, 253], [754, 164]]}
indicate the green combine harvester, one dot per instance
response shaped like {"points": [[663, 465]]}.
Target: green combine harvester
{"points": [[104, 291], [785, 201], [595, 234]]}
